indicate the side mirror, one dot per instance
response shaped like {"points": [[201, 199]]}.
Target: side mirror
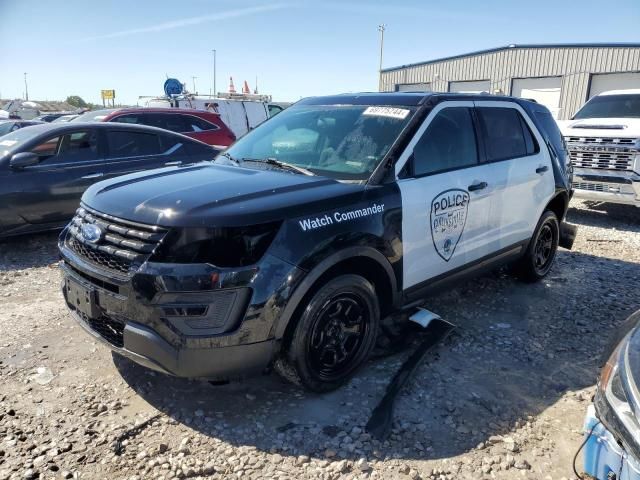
{"points": [[24, 159]]}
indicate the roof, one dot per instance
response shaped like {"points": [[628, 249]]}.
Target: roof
{"points": [[517, 46], [180, 110], [409, 99], [630, 91]]}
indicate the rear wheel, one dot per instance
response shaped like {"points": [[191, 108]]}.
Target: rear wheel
{"points": [[541, 253], [334, 335]]}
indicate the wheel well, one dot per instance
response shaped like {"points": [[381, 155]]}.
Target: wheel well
{"points": [[558, 205], [363, 266]]}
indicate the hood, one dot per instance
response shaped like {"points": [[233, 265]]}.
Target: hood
{"points": [[601, 127], [212, 195]]}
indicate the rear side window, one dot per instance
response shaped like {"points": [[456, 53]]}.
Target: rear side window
{"points": [[448, 143], [167, 121], [506, 135], [132, 144], [136, 118], [196, 124], [550, 127]]}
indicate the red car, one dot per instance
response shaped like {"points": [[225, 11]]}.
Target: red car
{"points": [[204, 126]]}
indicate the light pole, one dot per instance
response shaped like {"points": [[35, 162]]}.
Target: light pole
{"points": [[214, 73], [26, 89], [194, 84], [381, 29]]}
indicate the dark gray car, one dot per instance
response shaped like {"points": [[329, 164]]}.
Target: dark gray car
{"points": [[44, 169]]}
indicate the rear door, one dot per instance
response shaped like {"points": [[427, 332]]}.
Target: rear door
{"points": [[446, 195], [130, 151], [522, 175], [50, 191]]}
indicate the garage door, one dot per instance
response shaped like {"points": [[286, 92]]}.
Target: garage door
{"points": [[613, 81], [413, 87], [545, 90], [474, 86]]}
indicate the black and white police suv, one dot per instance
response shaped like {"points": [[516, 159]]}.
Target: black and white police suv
{"points": [[290, 246]]}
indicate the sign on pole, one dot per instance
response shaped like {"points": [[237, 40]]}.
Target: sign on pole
{"points": [[108, 95]]}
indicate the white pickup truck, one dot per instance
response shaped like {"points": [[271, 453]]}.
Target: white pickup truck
{"points": [[603, 139]]}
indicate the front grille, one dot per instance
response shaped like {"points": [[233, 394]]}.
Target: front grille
{"points": [[605, 153], [108, 327], [597, 187], [122, 246]]}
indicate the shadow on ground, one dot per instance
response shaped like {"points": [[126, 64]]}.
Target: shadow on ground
{"points": [[601, 214], [518, 349]]}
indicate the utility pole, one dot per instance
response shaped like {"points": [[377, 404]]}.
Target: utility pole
{"points": [[26, 89], [194, 84], [381, 29], [215, 91]]}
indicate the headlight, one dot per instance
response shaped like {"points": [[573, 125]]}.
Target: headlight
{"points": [[616, 399], [222, 247]]}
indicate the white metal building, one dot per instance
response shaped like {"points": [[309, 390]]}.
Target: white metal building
{"points": [[562, 77]]}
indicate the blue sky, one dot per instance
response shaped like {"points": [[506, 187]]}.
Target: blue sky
{"points": [[296, 48]]}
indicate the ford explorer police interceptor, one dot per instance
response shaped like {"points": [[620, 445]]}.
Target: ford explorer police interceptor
{"points": [[288, 249]]}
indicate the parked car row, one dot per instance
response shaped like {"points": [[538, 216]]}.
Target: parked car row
{"points": [[44, 169]]}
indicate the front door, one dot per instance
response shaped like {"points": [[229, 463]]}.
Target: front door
{"points": [[49, 192], [446, 196]]}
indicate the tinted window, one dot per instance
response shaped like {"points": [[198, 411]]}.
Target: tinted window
{"points": [[166, 121], [611, 106], [171, 144], [550, 127], [132, 144], [505, 133], [448, 143], [196, 124], [136, 118], [72, 147]]}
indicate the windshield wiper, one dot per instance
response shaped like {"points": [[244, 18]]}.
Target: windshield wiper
{"points": [[228, 155], [280, 164]]}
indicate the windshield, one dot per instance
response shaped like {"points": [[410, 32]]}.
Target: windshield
{"points": [[93, 116], [611, 106], [345, 142]]}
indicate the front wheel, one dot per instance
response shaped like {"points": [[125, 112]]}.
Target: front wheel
{"points": [[334, 335], [540, 254]]}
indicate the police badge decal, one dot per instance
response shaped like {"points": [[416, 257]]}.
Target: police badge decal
{"points": [[448, 218]]}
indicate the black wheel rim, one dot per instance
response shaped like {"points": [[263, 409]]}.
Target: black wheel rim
{"points": [[336, 338], [543, 250]]}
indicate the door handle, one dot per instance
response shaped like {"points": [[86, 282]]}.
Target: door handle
{"points": [[171, 164], [478, 186], [541, 170], [93, 175]]}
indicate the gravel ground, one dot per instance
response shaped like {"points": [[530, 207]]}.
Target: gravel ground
{"points": [[503, 398]]}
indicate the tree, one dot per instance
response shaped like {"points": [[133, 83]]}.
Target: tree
{"points": [[76, 101]]}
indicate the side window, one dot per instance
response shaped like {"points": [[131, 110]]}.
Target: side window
{"points": [[132, 144], [72, 147], [506, 134], [196, 124], [136, 118], [448, 143], [553, 132], [170, 144], [47, 149], [167, 121]]}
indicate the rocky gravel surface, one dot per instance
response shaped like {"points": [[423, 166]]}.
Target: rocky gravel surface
{"points": [[503, 398]]}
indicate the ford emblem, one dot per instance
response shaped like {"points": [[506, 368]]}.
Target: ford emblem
{"points": [[91, 233]]}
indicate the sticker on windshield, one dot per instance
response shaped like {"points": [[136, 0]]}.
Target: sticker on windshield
{"points": [[8, 143], [399, 113]]}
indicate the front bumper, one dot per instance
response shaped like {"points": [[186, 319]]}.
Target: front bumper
{"points": [[603, 455], [168, 317], [607, 186]]}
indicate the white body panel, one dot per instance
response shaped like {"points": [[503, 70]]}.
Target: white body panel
{"points": [[545, 90], [504, 213]]}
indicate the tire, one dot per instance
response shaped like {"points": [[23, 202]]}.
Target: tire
{"points": [[334, 335], [541, 252]]}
